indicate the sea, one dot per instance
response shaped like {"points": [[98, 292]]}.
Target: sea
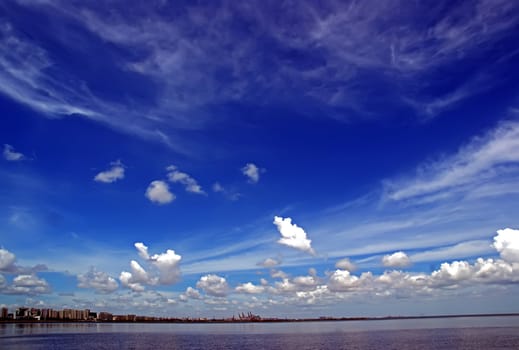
{"points": [[496, 332]]}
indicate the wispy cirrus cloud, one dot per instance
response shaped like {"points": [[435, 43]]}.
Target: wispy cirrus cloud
{"points": [[321, 53], [493, 157], [230, 193], [11, 155]]}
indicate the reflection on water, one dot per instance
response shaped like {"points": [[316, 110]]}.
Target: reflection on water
{"points": [[23, 329], [435, 339]]}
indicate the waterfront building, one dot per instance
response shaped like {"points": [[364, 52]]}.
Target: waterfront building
{"points": [[4, 313]]}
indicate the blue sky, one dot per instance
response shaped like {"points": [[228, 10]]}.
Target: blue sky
{"points": [[285, 158]]}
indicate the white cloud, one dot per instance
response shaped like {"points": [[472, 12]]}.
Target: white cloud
{"points": [[397, 259], [458, 274], [453, 272], [249, 288], [28, 285], [482, 271], [506, 243], [284, 286], [313, 296], [485, 158], [457, 251], [191, 185], [139, 274], [142, 250], [28, 76], [306, 281], [98, 280], [165, 269], [7, 260], [11, 155], [168, 265], [345, 264], [352, 37], [213, 285], [126, 279], [192, 293], [231, 194], [293, 235], [7, 264], [278, 274], [158, 192], [116, 172], [252, 171], [343, 280], [136, 278], [269, 262]]}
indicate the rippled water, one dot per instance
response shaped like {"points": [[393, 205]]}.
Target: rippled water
{"points": [[448, 333]]}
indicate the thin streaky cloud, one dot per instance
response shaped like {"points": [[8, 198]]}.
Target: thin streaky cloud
{"points": [[473, 165], [11, 155]]}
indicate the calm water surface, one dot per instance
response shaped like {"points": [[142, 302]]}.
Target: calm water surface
{"points": [[444, 333]]}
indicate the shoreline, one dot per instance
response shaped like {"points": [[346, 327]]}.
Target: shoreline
{"points": [[266, 320]]}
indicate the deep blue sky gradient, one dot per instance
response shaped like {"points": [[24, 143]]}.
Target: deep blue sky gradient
{"points": [[338, 105]]}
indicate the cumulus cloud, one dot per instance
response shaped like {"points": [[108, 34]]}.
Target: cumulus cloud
{"points": [[457, 274], [116, 172], [176, 176], [28, 285], [168, 265], [306, 281], [142, 250], [284, 286], [192, 293], [252, 172], [127, 280], [158, 192], [293, 235], [213, 285], [397, 259], [11, 155], [506, 243], [165, 269], [269, 262], [343, 280], [343, 283], [249, 288], [7, 264], [345, 264], [136, 278], [98, 280], [278, 274], [7, 260]]}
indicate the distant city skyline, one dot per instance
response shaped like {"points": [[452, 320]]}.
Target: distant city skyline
{"points": [[302, 159]]}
